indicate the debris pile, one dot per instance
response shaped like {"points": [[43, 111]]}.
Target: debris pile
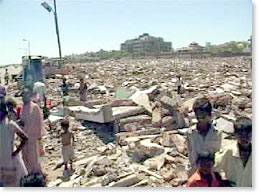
{"points": [[132, 130]]}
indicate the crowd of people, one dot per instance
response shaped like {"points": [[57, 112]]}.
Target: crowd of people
{"points": [[212, 163]]}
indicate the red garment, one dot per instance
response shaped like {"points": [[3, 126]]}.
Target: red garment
{"points": [[48, 104], [19, 109], [196, 180]]}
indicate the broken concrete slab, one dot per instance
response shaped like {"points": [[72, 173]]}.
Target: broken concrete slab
{"points": [[142, 99], [58, 111], [122, 102], [151, 149], [155, 163], [169, 175], [179, 142], [166, 140], [157, 115], [189, 104], [228, 87], [130, 127], [139, 119], [126, 111], [144, 169], [169, 102], [220, 100], [141, 183], [54, 119], [224, 125], [219, 90], [127, 181], [100, 115], [108, 178]]}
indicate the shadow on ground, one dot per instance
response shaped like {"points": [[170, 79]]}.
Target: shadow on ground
{"points": [[104, 131]]}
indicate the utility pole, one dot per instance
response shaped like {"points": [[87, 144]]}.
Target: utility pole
{"points": [[57, 29], [49, 9]]}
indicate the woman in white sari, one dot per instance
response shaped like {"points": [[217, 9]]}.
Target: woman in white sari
{"points": [[12, 167]]}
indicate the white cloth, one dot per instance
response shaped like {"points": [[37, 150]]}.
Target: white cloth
{"points": [[228, 160], [198, 145], [12, 166], [40, 89], [68, 153]]}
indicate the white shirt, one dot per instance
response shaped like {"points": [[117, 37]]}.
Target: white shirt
{"points": [[199, 145], [228, 160]]}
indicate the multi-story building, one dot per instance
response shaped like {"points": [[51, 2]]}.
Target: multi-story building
{"points": [[146, 44]]}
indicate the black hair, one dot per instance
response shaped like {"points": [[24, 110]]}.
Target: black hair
{"points": [[202, 105], [64, 123], [210, 157], [33, 180], [243, 124], [11, 101], [28, 88], [3, 108]]}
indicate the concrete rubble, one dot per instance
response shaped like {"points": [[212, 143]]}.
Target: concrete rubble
{"points": [[131, 131]]}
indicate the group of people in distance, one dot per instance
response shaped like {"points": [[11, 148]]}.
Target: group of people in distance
{"points": [[215, 162]]}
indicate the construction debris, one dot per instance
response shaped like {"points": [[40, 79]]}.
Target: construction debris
{"points": [[131, 130]]}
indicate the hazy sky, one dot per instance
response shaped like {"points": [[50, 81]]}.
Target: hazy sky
{"points": [[91, 25]]}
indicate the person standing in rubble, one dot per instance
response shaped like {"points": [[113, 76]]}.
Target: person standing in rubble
{"points": [[179, 84], [64, 88], [68, 143], [33, 126], [12, 167], [83, 90], [203, 138], [6, 77], [65, 91]]}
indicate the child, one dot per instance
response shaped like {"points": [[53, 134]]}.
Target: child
{"points": [[64, 88], [65, 92], [204, 176], [11, 105], [235, 159], [83, 89], [68, 143], [203, 138]]}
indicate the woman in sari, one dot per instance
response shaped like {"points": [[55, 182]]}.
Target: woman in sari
{"points": [[12, 167]]}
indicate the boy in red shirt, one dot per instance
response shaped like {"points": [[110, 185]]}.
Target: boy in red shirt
{"points": [[204, 176]]}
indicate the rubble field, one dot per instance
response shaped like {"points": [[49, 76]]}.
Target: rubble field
{"points": [[131, 132]]}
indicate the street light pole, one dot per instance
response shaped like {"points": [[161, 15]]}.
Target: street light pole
{"points": [[49, 9], [57, 29], [28, 46]]}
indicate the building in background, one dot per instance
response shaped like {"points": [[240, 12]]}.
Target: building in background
{"points": [[146, 44]]}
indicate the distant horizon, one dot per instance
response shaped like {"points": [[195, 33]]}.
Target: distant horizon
{"points": [[111, 50], [92, 25]]}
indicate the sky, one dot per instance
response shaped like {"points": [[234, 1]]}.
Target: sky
{"points": [[91, 25]]}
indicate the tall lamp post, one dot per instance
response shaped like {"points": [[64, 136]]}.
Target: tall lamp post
{"points": [[49, 9], [28, 46]]}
